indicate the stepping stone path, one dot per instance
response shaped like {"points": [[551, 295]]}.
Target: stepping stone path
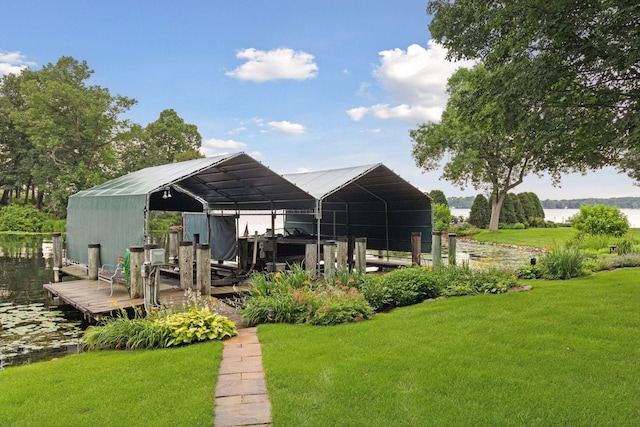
{"points": [[241, 392]]}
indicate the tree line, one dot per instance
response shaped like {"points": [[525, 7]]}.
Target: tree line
{"points": [[555, 89], [59, 134], [620, 202], [520, 210]]}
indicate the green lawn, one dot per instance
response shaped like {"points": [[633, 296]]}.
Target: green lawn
{"points": [[564, 354], [534, 237], [169, 387]]}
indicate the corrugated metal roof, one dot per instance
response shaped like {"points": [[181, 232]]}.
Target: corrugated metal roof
{"points": [[233, 181], [358, 183]]}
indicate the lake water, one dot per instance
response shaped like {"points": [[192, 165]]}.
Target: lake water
{"points": [[563, 215], [29, 330]]}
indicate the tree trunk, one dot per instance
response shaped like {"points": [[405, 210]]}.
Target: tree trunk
{"points": [[40, 200], [496, 205], [4, 201]]}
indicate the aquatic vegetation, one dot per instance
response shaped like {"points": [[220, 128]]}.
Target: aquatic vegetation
{"points": [[32, 330]]}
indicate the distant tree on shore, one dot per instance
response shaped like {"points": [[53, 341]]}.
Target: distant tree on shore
{"points": [[480, 212], [437, 196]]}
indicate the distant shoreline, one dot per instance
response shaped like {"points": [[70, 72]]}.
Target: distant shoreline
{"points": [[621, 202]]}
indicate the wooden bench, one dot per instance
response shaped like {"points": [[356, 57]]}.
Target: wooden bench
{"points": [[112, 274]]}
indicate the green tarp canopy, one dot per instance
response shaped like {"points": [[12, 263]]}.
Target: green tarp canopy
{"points": [[115, 214]]}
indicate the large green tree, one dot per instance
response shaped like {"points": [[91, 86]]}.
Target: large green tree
{"points": [[71, 126], [495, 137], [168, 139], [561, 55]]}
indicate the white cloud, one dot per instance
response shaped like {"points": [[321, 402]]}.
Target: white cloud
{"points": [[358, 113], [415, 81], [237, 130], [281, 63], [286, 127], [13, 63], [214, 147]]}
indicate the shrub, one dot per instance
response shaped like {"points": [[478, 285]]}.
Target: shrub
{"points": [[53, 225], [562, 263], [375, 290], [441, 217], [600, 219], [25, 218], [410, 285]]}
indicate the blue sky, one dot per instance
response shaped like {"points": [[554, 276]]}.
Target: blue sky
{"points": [[299, 85]]}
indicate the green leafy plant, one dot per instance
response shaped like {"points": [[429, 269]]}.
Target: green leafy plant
{"points": [[191, 322], [197, 324]]}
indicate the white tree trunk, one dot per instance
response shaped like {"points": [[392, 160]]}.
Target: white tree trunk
{"points": [[496, 205]]}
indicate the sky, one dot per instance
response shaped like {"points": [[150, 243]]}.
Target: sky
{"points": [[298, 85]]}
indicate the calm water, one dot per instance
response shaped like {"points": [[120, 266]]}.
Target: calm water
{"points": [[563, 215], [29, 329]]}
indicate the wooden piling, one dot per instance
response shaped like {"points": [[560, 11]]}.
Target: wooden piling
{"points": [[311, 257], [94, 260], [329, 258], [243, 254], [361, 254], [436, 248], [452, 249], [416, 247], [57, 256], [136, 259], [185, 259], [173, 247], [343, 251], [203, 268]]}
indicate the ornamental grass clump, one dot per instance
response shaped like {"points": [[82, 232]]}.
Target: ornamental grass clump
{"points": [[293, 296], [562, 263]]}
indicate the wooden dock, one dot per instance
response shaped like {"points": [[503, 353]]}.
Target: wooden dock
{"points": [[94, 303]]}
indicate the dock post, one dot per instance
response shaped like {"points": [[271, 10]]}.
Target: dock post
{"points": [[452, 249], [311, 257], [361, 254], [329, 258], [243, 254], [173, 247], [203, 268], [185, 259], [416, 247], [94, 260], [436, 250], [343, 251], [57, 256], [136, 259]]}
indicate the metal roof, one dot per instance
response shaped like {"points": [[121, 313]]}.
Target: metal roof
{"points": [[357, 184], [232, 181]]}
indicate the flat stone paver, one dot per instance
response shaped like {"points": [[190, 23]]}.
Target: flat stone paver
{"points": [[241, 392]]}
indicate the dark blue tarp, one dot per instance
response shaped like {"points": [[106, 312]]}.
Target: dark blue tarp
{"points": [[219, 231]]}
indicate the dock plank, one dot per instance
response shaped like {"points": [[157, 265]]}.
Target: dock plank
{"points": [[95, 303]]}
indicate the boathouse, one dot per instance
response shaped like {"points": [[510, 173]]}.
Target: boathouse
{"points": [[365, 201], [115, 214], [368, 201]]}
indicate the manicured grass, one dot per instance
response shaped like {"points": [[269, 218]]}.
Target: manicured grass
{"points": [[169, 387], [564, 354], [534, 237]]}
